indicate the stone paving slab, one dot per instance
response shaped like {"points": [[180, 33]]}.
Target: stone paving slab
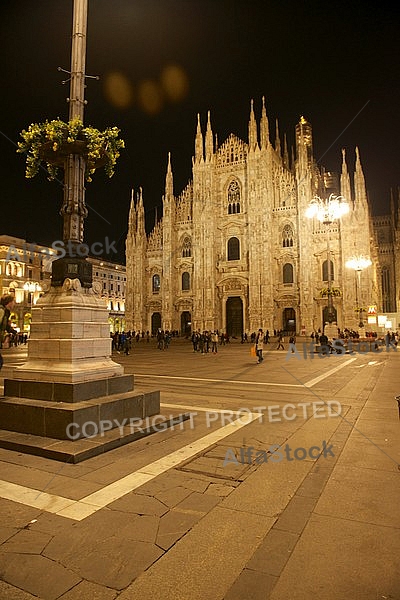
{"points": [[38, 575], [338, 558], [325, 528], [208, 571]]}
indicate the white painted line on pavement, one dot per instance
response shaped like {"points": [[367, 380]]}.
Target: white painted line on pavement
{"points": [[80, 509], [210, 410], [219, 380], [316, 380]]}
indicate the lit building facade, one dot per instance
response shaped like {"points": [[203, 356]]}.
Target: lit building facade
{"points": [[25, 271], [234, 251]]}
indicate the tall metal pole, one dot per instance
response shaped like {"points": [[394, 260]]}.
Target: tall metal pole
{"points": [[358, 297], [328, 252], [73, 209]]}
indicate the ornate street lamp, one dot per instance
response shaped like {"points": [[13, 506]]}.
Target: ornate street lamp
{"points": [[328, 210], [358, 264]]}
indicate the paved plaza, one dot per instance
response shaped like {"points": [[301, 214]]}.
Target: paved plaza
{"points": [[264, 492]]}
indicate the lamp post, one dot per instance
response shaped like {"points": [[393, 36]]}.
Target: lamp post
{"points": [[358, 264], [328, 210], [32, 287]]}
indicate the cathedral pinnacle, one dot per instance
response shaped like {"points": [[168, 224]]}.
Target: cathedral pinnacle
{"points": [[345, 187], [169, 181], [277, 139], [209, 139], [198, 153], [264, 129], [252, 128], [132, 213]]}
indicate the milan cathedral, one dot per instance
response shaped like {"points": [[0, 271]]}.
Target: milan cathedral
{"points": [[234, 251]]}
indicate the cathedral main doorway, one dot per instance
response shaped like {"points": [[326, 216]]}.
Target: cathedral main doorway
{"points": [[155, 322], [234, 316], [289, 320], [186, 323]]}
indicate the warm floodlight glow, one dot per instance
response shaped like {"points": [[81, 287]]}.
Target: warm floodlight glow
{"points": [[30, 286], [327, 210], [358, 263]]}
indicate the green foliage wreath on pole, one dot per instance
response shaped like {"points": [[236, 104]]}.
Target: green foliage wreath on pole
{"points": [[50, 143], [334, 292]]}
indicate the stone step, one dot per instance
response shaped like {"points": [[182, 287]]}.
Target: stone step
{"points": [[83, 449], [66, 420]]}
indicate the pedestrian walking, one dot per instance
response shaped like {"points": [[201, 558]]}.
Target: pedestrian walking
{"points": [[260, 346], [214, 342], [7, 303], [280, 341]]}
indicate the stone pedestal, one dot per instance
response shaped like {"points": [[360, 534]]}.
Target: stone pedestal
{"points": [[70, 337], [70, 389]]}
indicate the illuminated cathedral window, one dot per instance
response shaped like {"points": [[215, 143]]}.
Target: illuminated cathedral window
{"points": [[186, 248], [233, 198], [287, 237]]}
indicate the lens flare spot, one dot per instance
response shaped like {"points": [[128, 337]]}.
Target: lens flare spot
{"points": [[150, 97], [174, 82], [118, 90]]}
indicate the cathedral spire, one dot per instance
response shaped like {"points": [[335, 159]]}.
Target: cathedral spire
{"points": [[277, 139], [132, 214], [285, 152], [209, 139], [252, 129], [198, 157], [360, 192], [140, 214], [264, 129], [169, 180], [345, 188]]}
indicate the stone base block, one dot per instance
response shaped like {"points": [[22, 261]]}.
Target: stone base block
{"points": [[67, 392], [72, 371], [78, 451], [76, 420]]}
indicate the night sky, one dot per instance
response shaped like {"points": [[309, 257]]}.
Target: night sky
{"points": [[335, 63]]}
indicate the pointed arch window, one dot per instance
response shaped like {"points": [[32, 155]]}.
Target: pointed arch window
{"points": [[325, 271], [386, 290], [187, 248], [156, 283], [287, 273], [287, 236], [233, 249], [185, 281], [233, 198]]}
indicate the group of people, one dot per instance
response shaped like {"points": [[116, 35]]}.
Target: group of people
{"points": [[202, 341], [163, 339]]}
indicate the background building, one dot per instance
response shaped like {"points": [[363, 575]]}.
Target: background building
{"points": [[235, 251], [25, 271], [112, 279]]}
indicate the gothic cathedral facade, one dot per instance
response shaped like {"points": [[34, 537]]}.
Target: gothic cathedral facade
{"points": [[235, 250]]}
